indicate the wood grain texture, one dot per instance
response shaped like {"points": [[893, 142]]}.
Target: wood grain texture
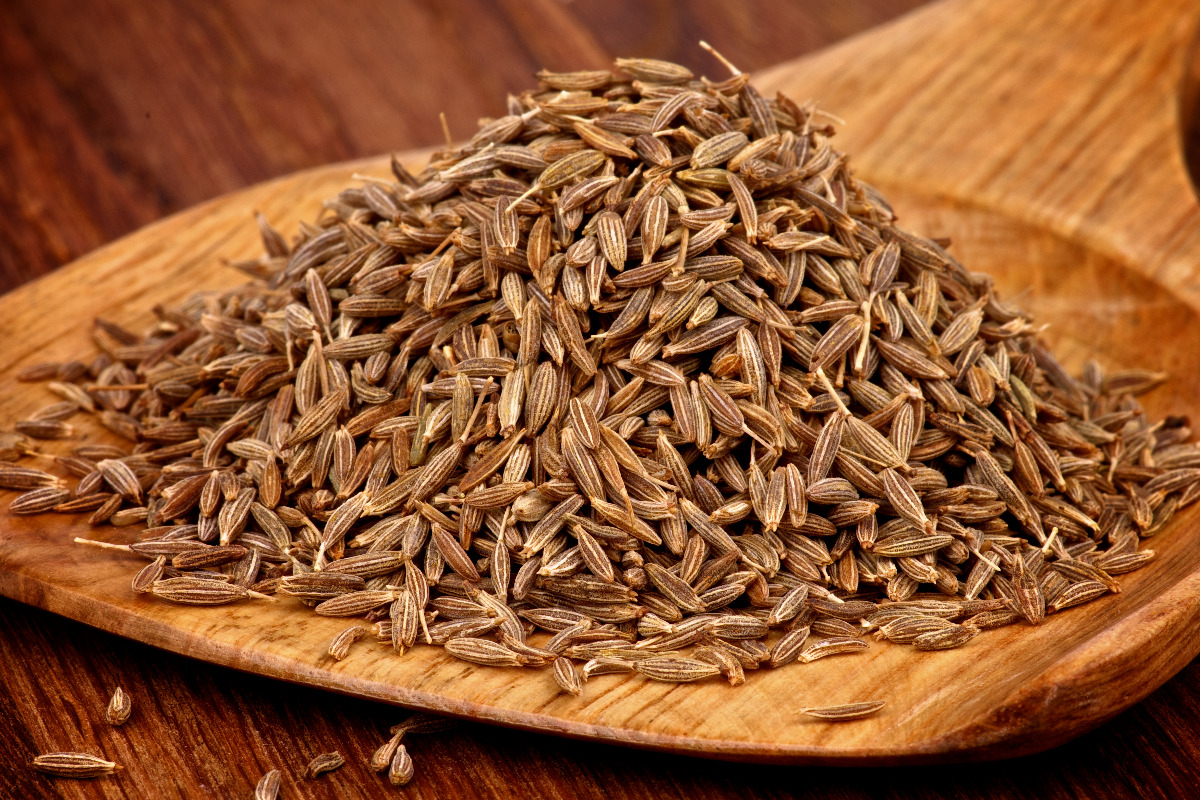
{"points": [[102, 190]]}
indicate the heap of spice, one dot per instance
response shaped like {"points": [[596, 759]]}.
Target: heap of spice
{"points": [[641, 368]]}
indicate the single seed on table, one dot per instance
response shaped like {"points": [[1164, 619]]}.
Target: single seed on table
{"points": [[401, 770], [326, 762], [268, 786], [339, 648], [845, 711], [119, 708], [74, 765]]}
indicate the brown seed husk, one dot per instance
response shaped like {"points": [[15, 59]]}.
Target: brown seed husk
{"points": [[74, 765], [268, 786], [119, 708], [326, 762], [845, 711]]}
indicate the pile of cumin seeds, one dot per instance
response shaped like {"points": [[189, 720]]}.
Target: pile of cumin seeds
{"points": [[640, 379]]}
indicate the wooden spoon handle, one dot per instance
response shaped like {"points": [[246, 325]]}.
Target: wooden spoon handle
{"points": [[1064, 115]]}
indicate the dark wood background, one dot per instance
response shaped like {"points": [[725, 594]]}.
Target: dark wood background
{"points": [[114, 113]]}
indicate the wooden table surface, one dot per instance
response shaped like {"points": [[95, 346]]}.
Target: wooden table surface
{"points": [[116, 113]]}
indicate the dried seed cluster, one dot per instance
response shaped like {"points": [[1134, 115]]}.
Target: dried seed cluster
{"points": [[642, 367]]}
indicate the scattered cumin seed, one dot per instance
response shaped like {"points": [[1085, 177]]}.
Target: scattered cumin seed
{"points": [[326, 762], [74, 765], [119, 708], [268, 786], [401, 769], [845, 711]]}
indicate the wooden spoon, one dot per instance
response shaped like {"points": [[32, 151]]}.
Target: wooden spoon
{"points": [[1043, 138]]}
